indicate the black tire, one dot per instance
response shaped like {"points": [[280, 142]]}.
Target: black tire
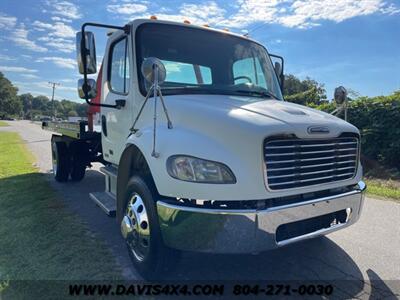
{"points": [[79, 154], [160, 259], [61, 160]]}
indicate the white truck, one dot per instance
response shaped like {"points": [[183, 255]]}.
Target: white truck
{"points": [[200, 150]]}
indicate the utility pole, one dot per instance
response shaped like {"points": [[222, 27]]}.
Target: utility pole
{"points": [[53, 84]]}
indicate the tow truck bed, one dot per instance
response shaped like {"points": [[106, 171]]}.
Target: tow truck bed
{"points": [[76, 130]]}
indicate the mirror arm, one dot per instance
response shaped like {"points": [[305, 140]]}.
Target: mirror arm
{"points": [[84, 51]]}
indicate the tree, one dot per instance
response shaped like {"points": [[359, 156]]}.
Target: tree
{"points": [[81, 109], [41, 103], [72, 113], [307, 91], [10, 104], [26, 100], [32, 107]]}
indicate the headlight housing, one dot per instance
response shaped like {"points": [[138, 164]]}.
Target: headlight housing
{"points": [[189, 168]]}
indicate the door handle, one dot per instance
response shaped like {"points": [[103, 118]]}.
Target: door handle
{"points": [[104, 125], [119, 103]]}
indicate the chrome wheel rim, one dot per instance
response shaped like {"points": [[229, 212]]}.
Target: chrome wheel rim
{"points": [[54, 158], [135, 227]]}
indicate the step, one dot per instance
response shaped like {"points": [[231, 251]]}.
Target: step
{"points": [[109, 170], [106, 201], [110, 175]]}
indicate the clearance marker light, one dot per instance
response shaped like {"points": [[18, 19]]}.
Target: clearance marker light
{"points": [[186, 21], [153, 18]]}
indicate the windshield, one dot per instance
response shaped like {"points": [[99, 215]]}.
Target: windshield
{"points": [[207, 62]]}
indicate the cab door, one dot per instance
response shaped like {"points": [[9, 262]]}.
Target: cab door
{"points": [[117, 86]]}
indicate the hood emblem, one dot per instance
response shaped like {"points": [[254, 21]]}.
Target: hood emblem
{"points": [[318, 130]]}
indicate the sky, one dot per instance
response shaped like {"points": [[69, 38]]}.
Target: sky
{"points": [[354, 43]]}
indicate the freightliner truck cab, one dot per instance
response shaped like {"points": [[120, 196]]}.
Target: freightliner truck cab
{"points": [[200, 150]]}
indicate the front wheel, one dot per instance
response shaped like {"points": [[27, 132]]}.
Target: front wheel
{"points": [[141, 231]]}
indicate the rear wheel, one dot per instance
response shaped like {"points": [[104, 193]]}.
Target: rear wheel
{"points": [[60, 160], [79, 154], [141, 231]]}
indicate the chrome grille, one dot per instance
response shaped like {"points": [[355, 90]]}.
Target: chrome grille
{"points": [[292, 163]]}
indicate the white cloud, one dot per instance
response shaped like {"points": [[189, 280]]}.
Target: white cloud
{"points": [[40, 26], [58, 19], [304, 13], [57, 29], [68, 80], [390, 9], [59, 37], [65, 9], [252, 11], [68, 88], [208, 12], [17, 69], [44, 85], [62, 62], [289, 13], [61, 45], [6, 57], [30, 76], [127, 8], [7, 22], [20, 37]]}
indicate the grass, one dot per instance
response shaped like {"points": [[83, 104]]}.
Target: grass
{"points": [[382, 181], [40, 239], [384, 188], [3, 124]]}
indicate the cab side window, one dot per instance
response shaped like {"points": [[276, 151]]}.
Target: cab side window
{"points": [[118, 73]]}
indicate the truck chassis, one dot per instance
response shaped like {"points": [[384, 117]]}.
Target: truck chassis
{"points": [[73, 149]]}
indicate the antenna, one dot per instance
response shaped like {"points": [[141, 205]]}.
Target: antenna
{"points": [[53, 84]]}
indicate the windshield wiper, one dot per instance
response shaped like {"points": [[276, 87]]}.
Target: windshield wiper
{"points": [[258, 93], [212, 90]]}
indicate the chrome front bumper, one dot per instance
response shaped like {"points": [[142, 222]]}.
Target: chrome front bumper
{"points": [[250, 231]]}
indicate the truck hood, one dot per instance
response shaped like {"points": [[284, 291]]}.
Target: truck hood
{"points": [[264, 115]]}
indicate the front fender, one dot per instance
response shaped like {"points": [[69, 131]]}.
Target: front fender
{"points": [[245, 162]]}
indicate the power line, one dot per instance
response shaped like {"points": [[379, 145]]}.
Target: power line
{"points": [[53, 84], [256, 28]]}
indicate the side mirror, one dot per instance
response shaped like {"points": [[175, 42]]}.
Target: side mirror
{"points": [[148, 67], [86, 48], [278, 67], [89, 87], [340, 95]]}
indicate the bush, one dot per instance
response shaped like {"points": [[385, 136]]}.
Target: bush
{"points": [[378, 119]]}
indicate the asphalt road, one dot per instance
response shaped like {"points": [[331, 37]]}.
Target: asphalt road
{"points": [[362, 261]]}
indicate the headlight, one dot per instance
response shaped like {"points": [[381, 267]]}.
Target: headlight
{"points": [[194, 169]]}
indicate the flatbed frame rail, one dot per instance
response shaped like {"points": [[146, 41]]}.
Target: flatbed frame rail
{"points": [[76, 130]]}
